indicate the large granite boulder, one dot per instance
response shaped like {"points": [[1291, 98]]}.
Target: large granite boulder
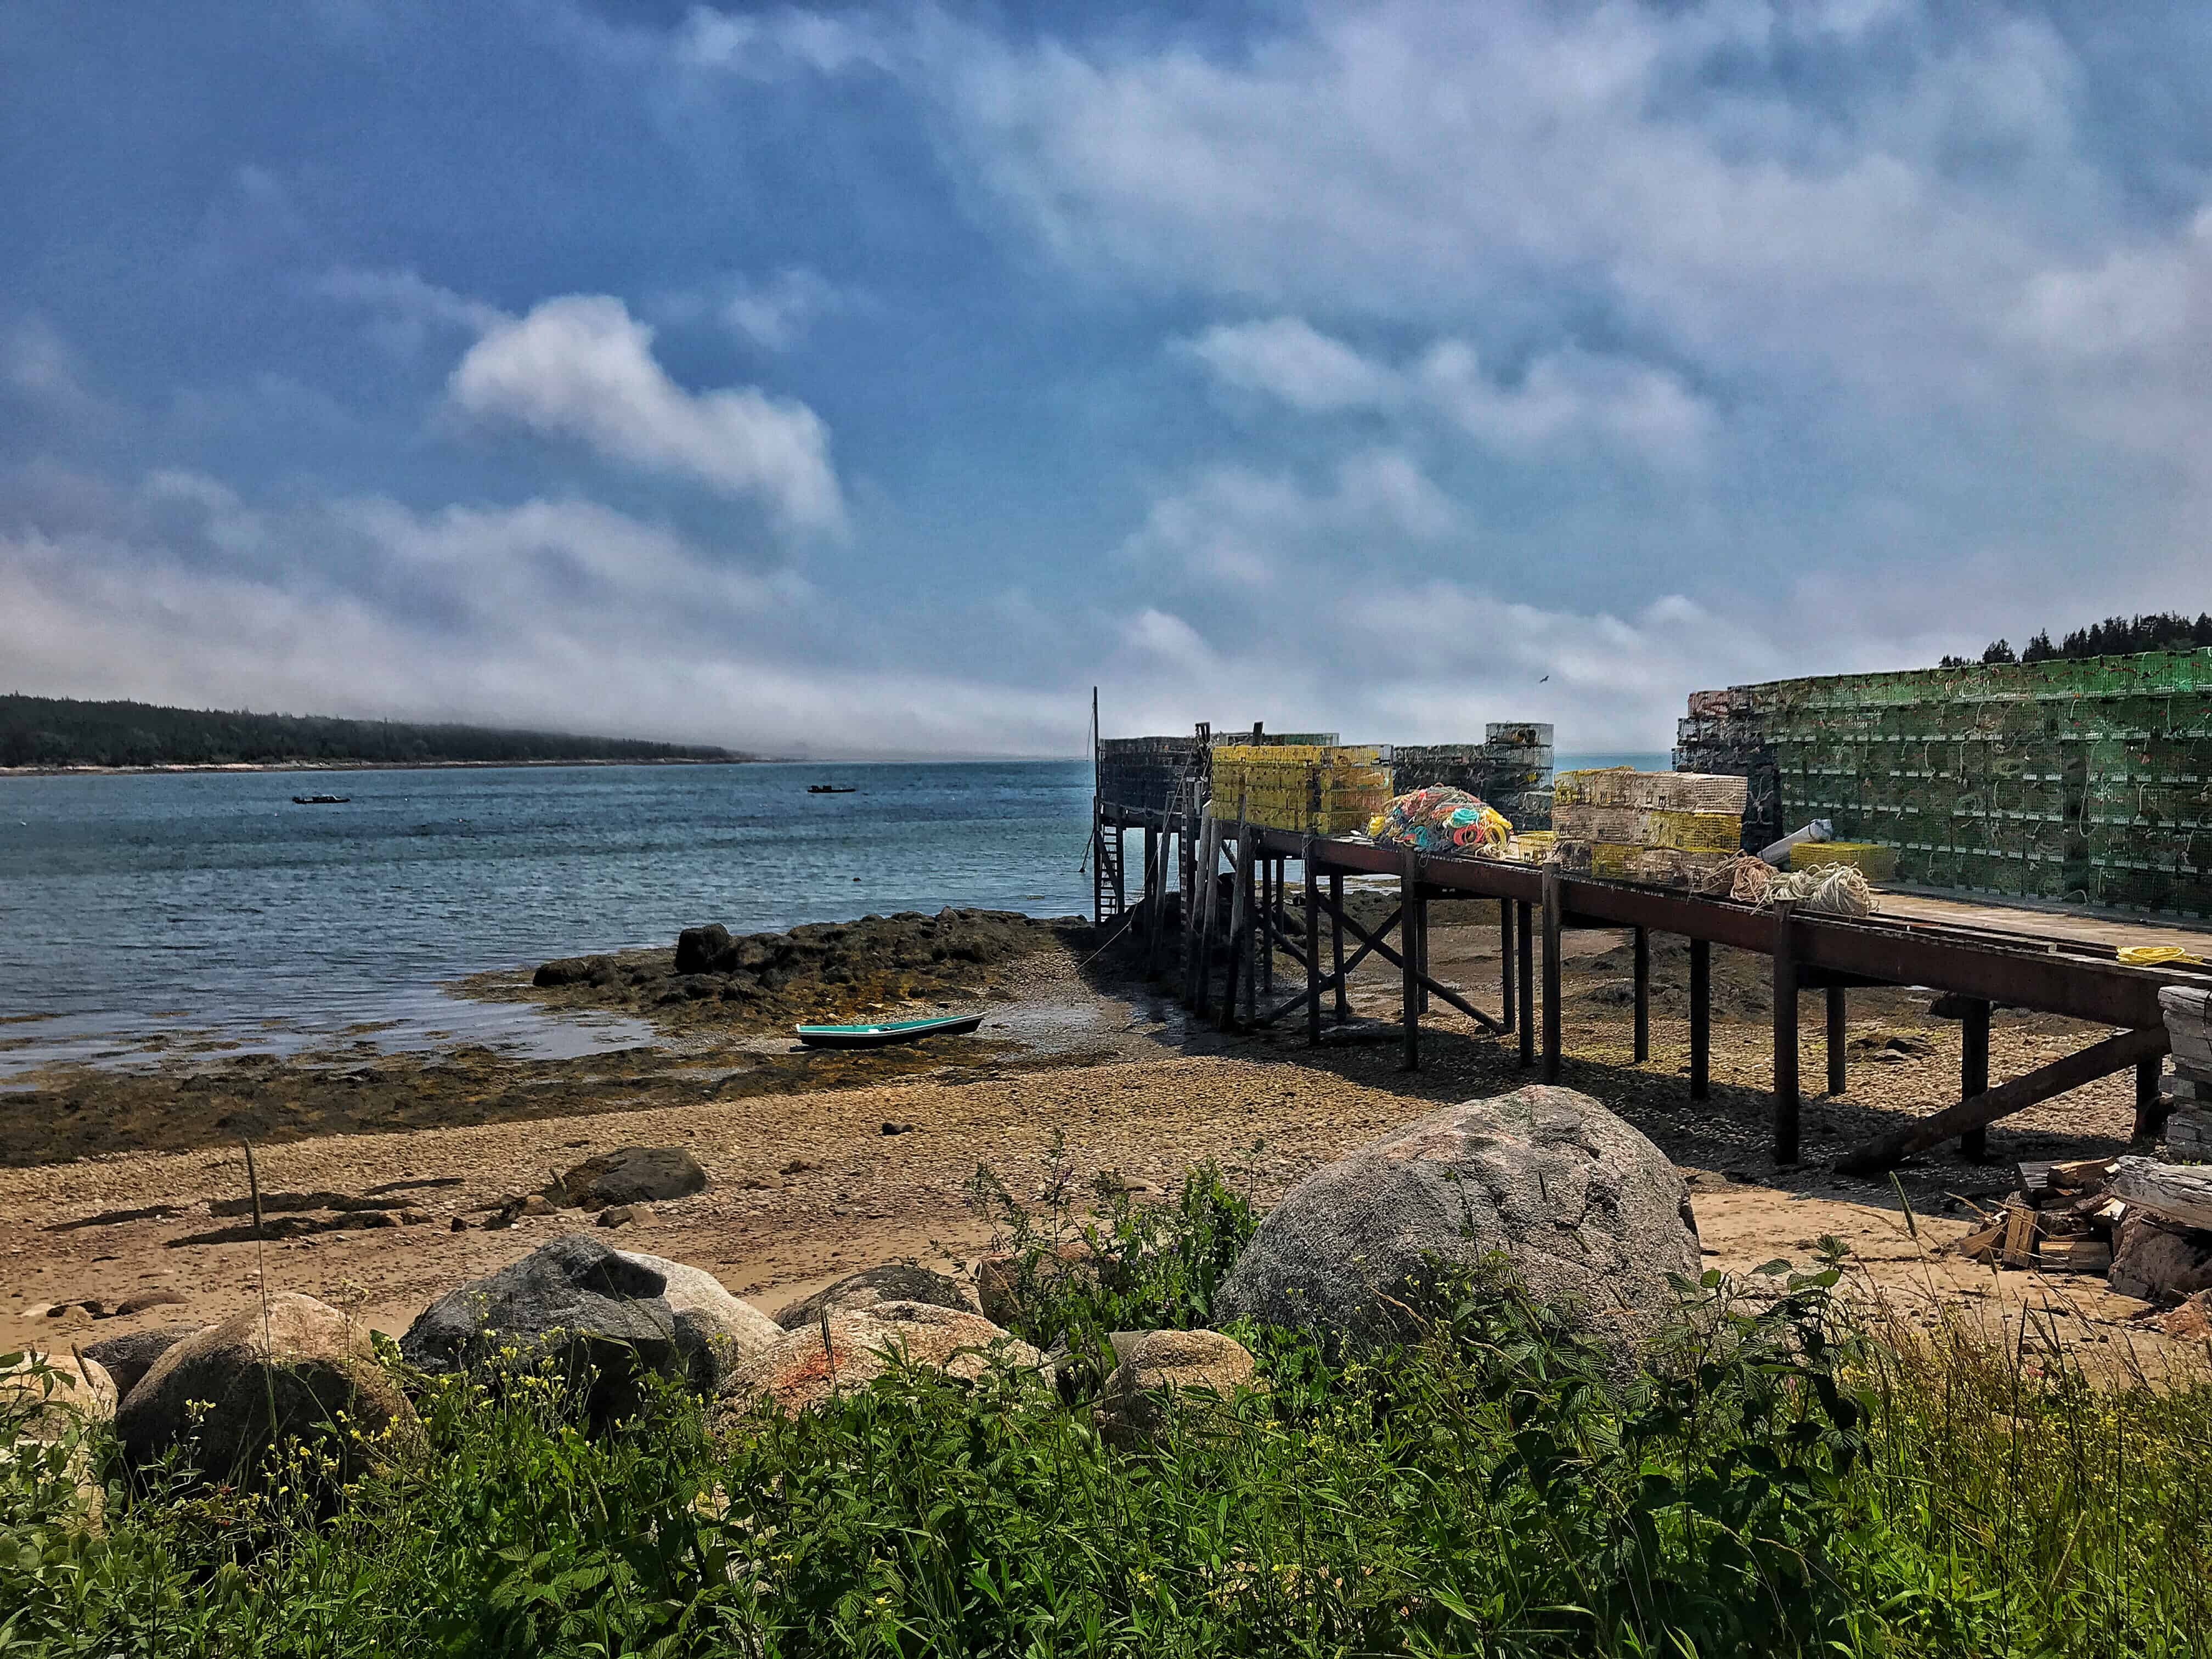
{"points": [[128, 1358], [801, 1372], [1589, 1213], [296, 1369], [897, 1281], [607, 1314], [1192, 1374], [631, 1174]]}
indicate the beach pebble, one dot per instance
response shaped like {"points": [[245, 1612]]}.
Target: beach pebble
{"points": [[619, 1215]]}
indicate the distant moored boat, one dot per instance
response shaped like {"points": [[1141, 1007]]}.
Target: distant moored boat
{"points": [[320, 801], [832, 789]]}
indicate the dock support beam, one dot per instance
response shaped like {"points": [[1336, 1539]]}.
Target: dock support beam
{"points": [[1409, 951], [1642, 952], [1336, 943], [1785, 1034], [1313, 946], [1505, 960], [1525, 949], [1552, 920], [1974, 1073], [1839, 1022], [2150, 1104], [1701, 1019]]}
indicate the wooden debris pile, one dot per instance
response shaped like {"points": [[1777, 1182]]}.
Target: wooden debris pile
{"points": [[2145, 1227]]}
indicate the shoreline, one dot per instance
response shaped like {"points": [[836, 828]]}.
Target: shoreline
{"points": [[823, 1162], [89, 771]]}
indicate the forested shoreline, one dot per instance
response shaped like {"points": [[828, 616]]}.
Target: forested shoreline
{"points": [[55, 731]]}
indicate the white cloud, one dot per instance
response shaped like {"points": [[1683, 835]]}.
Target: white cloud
{"points": [[1285, 358], [1233, 523], [580, 367], [1562, 395]]}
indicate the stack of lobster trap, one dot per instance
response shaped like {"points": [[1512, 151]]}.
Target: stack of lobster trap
{"points": [[1312, 789], [1664, 829]]}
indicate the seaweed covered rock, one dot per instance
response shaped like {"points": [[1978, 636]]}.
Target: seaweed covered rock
{"points": [[295, 1370], [630, 1175], [1590, 1214], [871, 1287]]}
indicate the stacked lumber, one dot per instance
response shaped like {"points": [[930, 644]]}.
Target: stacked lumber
{"points": [[2187, 1085], [1664, 828], [2062, 1219]]}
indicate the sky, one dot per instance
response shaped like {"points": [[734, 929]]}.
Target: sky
{"points": [[876, 380]]}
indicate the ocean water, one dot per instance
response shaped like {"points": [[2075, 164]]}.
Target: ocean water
{"points": [[208, 907]]}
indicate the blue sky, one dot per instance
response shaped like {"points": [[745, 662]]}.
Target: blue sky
{"points": [[878, 378]]}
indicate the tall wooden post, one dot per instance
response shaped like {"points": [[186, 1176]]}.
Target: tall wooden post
{"points": [[1701, 1019], [1313, 945], [1232, 982], [1336, 945], [1641, 951], [1153, 896], [1420, 916], [1525, 952], [1271, 897], [1785, 1034], [1409, 884], [1974, 1073], [1505, 961], [1839, 1029], [1553, 920], [1247, 839]]}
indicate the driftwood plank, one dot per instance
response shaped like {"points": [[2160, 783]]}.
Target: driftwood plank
{"points": [[2172, 1192], [2100, 1059]]}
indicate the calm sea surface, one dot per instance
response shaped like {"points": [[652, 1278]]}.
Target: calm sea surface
{"points": [[207, 906]]}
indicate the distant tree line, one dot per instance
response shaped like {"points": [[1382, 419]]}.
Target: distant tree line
{"points": [[62, 732], [2115, 636]]}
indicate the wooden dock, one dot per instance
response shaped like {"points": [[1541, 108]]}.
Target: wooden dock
{"points": [[1228, 880]]}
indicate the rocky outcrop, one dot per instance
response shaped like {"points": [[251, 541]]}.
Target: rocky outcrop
{"points": [[294, 1370], [1589, 1213], [802, 1371], [871, 1287], [607, 1315], [129, 1358], [1162, 1374], [705, 950], [630, 1175]]}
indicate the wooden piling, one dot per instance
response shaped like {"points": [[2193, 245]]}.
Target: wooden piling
{"points": [[1974, 1073], [1838, 1027], [1553, 919], [1641, 951], [1701, 1019], [1785, 1034]]}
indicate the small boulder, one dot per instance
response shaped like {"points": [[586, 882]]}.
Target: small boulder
{"points": [[573, 970], [631, 1174], [898, 1281], [608, 1312], [799, 1373], [145, 1299], [705, 950], [619, 1215], [1590, 1214], [130, 1357], [1190, 1373], [309, 1361]]}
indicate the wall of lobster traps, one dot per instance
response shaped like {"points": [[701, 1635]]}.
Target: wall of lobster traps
{"points": [[1309, 783], [2089, 780]]}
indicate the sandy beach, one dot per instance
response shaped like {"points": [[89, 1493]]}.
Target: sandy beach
{"points": [[819, 1165]]}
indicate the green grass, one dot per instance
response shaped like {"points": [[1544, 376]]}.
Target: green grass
{"points": [[1777, 1482]]}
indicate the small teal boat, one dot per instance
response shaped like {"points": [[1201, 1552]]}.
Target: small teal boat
{"points": [[885, 1032]]}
